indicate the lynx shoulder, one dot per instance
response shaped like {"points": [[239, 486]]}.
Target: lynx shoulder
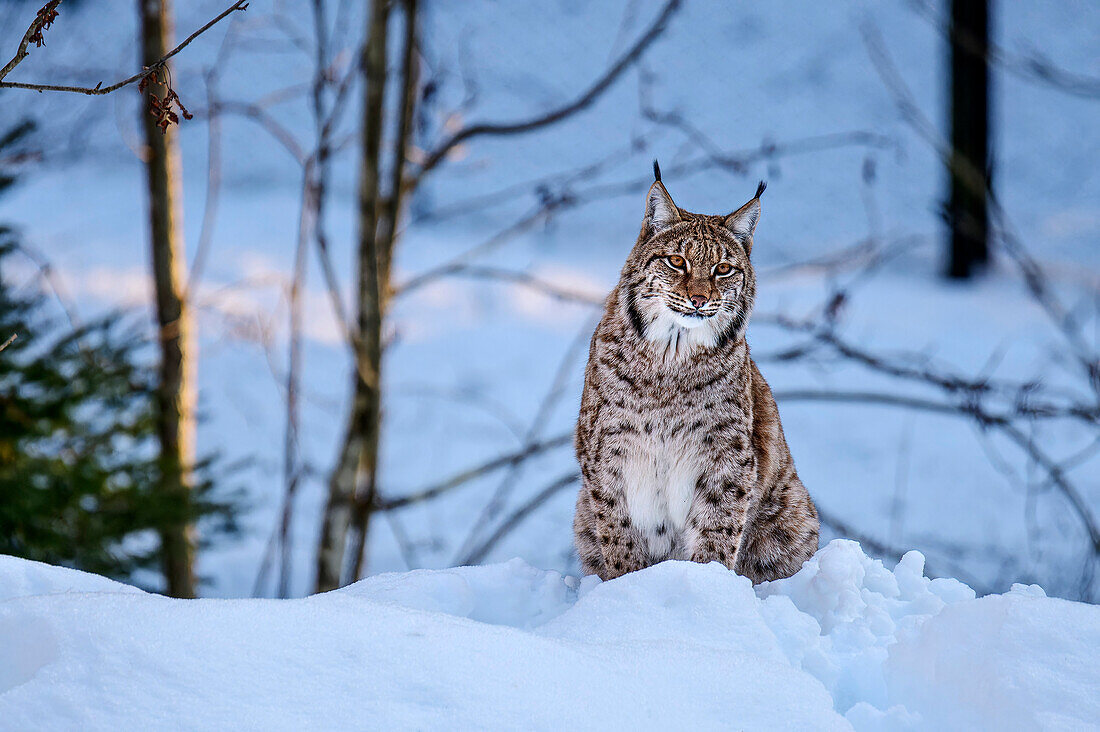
{"points": [[681, 450]]}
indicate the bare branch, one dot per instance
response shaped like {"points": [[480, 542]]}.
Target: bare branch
{"points": [[885, 550], [478, 553], [542, 416], [552, 202], [977, 180], [9, 341], [213, 189], [527, 222], [1058, 478], [628, 59], [456, 481], [42, 20], [1020, 396], [1033, 67], [263, 118], [970, 394], [525, 279], [99, 89], [292, 472], [887, 400]]}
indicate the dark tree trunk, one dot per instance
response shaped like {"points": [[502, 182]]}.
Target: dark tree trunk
{"points": [[175, 394], [967, 207]]}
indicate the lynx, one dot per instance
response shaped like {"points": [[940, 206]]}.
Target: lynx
{"points": [[681, 450]]}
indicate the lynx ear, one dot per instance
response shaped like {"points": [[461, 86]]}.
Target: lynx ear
{"points": [[660, 210], [742, 222]]}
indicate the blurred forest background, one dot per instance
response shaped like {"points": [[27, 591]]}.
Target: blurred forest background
{"points": [[311, 298]]}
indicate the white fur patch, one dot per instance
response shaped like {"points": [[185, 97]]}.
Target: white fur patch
{"points": [[676, 335], [660, 482]]}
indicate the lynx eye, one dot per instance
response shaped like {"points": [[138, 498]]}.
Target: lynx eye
{"points": [[723, 269], [677, 262]]}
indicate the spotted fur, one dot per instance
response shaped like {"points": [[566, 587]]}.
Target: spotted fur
{"points": [[679, 441]]}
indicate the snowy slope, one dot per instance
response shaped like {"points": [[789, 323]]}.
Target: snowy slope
{"points": [[845, 643]]}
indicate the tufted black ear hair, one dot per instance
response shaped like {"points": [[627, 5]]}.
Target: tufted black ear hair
{"points": [[660, 210], [742, 222]]}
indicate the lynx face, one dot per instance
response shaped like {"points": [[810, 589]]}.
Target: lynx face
{"points": [[689, 282]]}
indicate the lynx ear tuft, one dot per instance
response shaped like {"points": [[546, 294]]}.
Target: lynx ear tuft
{"points": [[742, 222], [660, 210]]}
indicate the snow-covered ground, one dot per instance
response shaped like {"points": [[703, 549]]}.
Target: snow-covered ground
{"points": [[471, 361], [845, 643]]}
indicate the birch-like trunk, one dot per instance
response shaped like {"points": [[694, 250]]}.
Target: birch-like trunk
{"points": [[175, 395], [352, 483]]}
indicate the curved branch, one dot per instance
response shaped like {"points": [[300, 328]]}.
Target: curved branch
{"points": [[628, 59], [523, 279], [42, 20], [478, 553], [426, 494], [984, 418], [882, 549], [99, 89]]}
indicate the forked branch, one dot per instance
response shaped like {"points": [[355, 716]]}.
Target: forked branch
{"points": [[46, 16], [628, 59]]}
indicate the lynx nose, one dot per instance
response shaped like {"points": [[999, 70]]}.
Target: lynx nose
{"points": [[698, 301]]}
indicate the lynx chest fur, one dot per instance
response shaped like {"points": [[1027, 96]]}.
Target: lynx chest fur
{"points": [[681, 449]]}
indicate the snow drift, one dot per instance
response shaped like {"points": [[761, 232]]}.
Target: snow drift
{"points": [[846, 643]]}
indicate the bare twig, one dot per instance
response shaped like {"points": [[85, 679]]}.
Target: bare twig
{"points": [[883, 549], [978, 181], [42, 20], [456, 481], [9, 341], [1032, 67], [213, 166], [292, 472], [1057, 477], [262, 117], [99, 89], [458, 263], [50, 276], [536, 187], [542, 416], [1021, 397], [628, 59], [525, 279], [479, 552]]}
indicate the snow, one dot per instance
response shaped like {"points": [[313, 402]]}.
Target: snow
{"points": [[844, 644]]}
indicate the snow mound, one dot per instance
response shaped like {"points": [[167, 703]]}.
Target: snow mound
{"points": [[21, 578], [845, 643]]}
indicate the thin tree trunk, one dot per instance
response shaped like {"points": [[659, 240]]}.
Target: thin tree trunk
{"points": [[410, 77], [175, 395], [385, 240], [359, 451], [967, 209]]}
